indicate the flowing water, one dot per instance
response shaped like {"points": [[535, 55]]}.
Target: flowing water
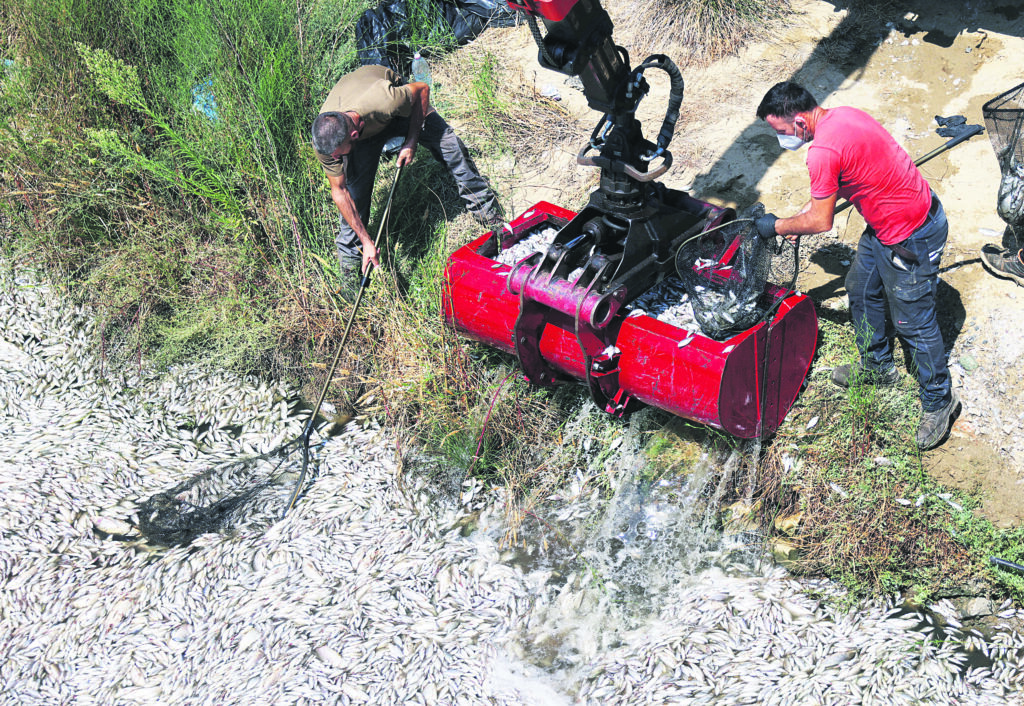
{"points": [[374, 589]]}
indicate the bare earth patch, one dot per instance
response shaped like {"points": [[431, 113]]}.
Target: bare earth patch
{"points": [[904, 66]]}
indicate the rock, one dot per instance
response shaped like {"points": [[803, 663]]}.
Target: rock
{"points": [[574, 82], [976, 608], [968, 363], [549, 91], [788, 524], [784, 551], [739, 517]]}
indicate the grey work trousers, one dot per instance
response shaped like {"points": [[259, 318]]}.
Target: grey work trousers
{"points": [[446, 147]]}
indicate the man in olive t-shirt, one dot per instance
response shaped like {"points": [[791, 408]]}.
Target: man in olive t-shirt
{"points": [[362, 112]]}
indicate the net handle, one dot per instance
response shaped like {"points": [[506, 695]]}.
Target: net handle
{"points": [[363, 284]]}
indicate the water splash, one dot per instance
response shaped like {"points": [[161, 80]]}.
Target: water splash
{"points": [[601, 568]]}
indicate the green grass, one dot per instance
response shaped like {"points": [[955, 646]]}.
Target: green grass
{"points": [[214, 238], [872, 517]]}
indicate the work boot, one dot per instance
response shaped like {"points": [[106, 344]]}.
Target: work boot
{"points": [[491, 217], [845, 375], [349, 276], [935, 425], [1003, 263]]}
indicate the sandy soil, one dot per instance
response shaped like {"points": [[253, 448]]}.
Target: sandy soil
{"points": [[926, 59]]}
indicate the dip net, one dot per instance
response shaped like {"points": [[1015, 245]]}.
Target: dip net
{"points": [[231, 496], [724, 271], [1004, 119]]}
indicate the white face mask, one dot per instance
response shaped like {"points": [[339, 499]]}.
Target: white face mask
{"points": [[791, 142]]}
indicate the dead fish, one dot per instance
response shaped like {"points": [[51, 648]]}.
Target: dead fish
{"points": [[111, 526]]}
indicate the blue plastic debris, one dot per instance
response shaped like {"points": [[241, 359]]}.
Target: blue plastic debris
{"points": [[203, 100]]}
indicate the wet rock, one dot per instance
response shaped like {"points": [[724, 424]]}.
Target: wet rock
{"points": [[739, 517], [976, 608], [784, 551]]}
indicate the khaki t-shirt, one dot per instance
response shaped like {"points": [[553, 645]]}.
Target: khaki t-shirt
{"points": [[377, 94]]}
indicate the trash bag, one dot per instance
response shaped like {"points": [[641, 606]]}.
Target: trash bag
{"points": [[1004, 118], [724, 273], [383, 33]]}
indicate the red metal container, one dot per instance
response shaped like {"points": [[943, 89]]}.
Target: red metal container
{"points": [[554, 10], [724, 384]]}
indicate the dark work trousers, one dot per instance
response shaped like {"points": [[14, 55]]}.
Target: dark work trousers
{"points": [[878, 274], [446, 147]]}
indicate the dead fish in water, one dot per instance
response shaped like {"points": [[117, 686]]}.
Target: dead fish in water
{"points": [[114, 528]]}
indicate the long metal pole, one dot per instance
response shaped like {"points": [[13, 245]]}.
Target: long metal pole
{"points": [[1006, 564], [363, 284]]}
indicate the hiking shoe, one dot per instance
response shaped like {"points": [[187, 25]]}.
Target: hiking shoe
{"points": [[1003, 263], [845, 375], [935, 425], [349, 276], [493, 217]]}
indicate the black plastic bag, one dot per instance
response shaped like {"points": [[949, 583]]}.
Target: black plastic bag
{"points": [[383, 33]]}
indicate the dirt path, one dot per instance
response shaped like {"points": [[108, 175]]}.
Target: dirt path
{"points": [[904, 69]]}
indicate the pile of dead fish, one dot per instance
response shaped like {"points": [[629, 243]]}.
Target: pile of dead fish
{"points": [[764, 641], [1010, 200], [537, 239], [667, 301], [374, 588], [363, 594]]}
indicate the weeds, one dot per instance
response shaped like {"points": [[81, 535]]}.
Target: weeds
{"points": [[870, 517]]}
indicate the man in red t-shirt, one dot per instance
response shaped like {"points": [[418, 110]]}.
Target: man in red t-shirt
{"points": [[852, 157]]}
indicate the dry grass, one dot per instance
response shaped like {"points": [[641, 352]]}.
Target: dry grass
{"points": [[697, 32], [528, 142]]}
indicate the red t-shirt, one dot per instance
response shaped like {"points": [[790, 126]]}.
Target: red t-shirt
{"points": [[855, 156]]}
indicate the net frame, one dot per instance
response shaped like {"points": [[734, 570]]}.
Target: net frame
{"points": [[1004, 120], [727, 296]]}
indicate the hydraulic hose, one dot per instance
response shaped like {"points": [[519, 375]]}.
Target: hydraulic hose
{"points": [[675, 98]]}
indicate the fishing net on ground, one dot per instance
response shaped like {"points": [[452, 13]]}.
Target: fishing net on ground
{"points": [[724, 272], [232, 496], [1004, 118]]}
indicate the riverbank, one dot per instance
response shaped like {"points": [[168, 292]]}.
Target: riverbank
{"points": [[378, 589], [183, 269]]}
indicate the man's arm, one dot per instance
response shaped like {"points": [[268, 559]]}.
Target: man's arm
{"points": [[815, 217], [420, 109], [347, 208]]}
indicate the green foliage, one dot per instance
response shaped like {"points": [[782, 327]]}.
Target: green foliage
{"points": [[426, 34], [489, 106], [118, 80], [113, 154], [872, 517]]}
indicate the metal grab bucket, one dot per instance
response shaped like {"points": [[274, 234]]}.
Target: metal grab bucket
{"points": [[725, 384]]}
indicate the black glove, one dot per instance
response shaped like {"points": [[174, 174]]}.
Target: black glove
{"points": [[766, 225]]}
